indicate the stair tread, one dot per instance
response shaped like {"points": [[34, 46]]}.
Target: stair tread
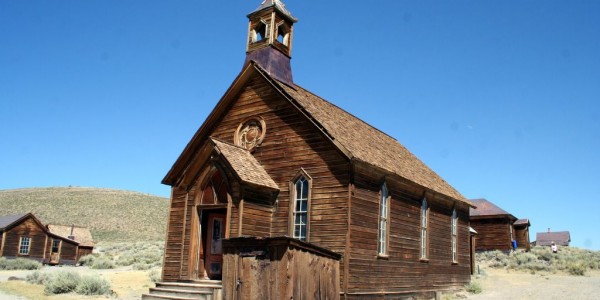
{"points": [[179, 291], [167, 297]]}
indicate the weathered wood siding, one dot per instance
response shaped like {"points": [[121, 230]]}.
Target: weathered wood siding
{"points": [[522, 237], [2, 243], [256, 220], [83, 251], [278, 268], [31, 229], [174, 242], [402, 271], [492, 234], [292, 143], [68, 253]]}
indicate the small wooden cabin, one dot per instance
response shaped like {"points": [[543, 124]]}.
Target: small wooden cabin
{"points": [[274, 159], [24, 235], [521, 231], [561, 238], [72, 242], [494, 226]]}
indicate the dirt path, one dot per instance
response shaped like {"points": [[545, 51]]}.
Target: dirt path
{"points": [[501, 284], [126, 283]]}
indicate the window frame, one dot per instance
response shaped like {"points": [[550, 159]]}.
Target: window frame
{"points": [[383, 229], [22, 239], [424, 247], [292, 207], [454, 236], [58, 246]]}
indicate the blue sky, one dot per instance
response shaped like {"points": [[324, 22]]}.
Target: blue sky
{"points": [[501, 98]]}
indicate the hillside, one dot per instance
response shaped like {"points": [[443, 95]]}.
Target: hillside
{"points": [[112, 215]]}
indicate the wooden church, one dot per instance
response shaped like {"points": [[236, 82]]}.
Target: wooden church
{"points": [[274, 165]]}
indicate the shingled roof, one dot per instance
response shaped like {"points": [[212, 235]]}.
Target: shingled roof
{"points": [[6, 221], [561, 238], [486, 208], [374, 147], [248, 169], [82, 235]]}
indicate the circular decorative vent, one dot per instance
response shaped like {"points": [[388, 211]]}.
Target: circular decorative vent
{"points": [[250, 133]]}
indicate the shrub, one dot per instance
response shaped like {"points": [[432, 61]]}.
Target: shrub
{"points": [[142, 266], [93, 285], [62, 282], [102, 263], [37, 277], [19, 264], [154, 275], [473, 287], [577, 269], [87, 260]]}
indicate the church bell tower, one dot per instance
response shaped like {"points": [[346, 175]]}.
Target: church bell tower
{"points": [[270, 33]]}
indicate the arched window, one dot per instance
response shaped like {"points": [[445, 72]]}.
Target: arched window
{"points": [[454, 236], [300, 207], [424, 225], [384, 214], [215, 190]]}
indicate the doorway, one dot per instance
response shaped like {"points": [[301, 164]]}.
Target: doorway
{"points": [[55, 252], [208, 254]]}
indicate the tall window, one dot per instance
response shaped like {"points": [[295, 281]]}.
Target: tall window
{"points": [[384, 212], [300, 213], [424, 224], [454, 234], [25, 245]]}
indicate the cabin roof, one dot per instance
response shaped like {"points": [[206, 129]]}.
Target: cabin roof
{"points": [[6, 221], [244, 164], [374, 147], [559, 237], [82, 235], [485, 208], [522, 222]]}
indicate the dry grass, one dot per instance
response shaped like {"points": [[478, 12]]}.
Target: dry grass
{"points": [[570, 260], [111, 215]]}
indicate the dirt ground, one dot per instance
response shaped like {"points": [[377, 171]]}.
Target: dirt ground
{"points": [[126, 283], [503, 284], [496, 284]]}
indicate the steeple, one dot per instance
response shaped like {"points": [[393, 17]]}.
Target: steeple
{"points": [[269, 44]]}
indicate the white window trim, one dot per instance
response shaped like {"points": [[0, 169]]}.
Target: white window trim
{"points": [[383, 232], [424, 229], [21, 240], [294, 199], [454, 236]]}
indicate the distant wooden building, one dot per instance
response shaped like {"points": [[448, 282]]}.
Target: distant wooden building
{"points": [[561, 238], [24, 235], [273, 159], [493, 224], [72, 242], [521, 232]]}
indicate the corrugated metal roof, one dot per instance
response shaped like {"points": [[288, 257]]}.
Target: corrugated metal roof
{"points": [[6, 221]]}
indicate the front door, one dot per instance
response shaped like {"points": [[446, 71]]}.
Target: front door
{"points": [[215, 232], [55, 252]]}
